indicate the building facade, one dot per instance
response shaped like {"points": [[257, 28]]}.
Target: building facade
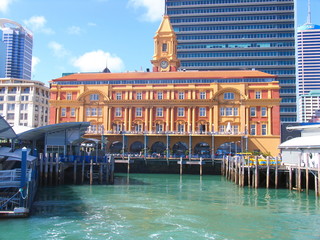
{"points": [[308, 65], [172, 112], [24, 102], [237, 35], [19, 42]]}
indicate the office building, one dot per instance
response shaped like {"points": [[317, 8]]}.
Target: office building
{"points": [[308, 64], [181, 111], [3, 57], [24, 102], [19, 41], [237, 35]]}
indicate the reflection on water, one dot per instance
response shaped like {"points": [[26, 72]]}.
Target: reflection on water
{"points": [[158, 206]]}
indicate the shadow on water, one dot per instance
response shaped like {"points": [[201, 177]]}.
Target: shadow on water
{"points": [[128, 180], [61, 200]]}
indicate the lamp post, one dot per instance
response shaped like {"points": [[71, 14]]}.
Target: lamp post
{"points": [[212, 142]]}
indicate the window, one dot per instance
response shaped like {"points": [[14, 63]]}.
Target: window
{"points": [[94, 97], [202, 112], [118, 96], [228, 96], [11, 106], [88, 112], [263, 129], [1, 107], [118, 112], [203, 95], [258, 95], [159, 112], [139, 96], [72, 112], [11, 98], [159, 127], [229, 111], [222, 111], [164, 47], [63, 112], [100, 112], [1, 98], [180, 112], [10, 116], [93, 112], [138, 127], [138, 112], [160, 95], [180, 127], [263, 112], [235, 112], [253, 129], [69, 96], [252, 112], [24, 106], [181, 95]]}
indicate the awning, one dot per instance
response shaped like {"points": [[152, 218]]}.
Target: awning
{"points": [[6, 131], [302, 142]]}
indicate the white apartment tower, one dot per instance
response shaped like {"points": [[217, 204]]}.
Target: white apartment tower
{"points": [[308, 68]]}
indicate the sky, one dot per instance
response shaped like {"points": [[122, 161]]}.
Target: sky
{"points": [[88, 35]]}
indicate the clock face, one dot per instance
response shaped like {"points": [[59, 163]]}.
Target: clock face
{"points": [[164, 64]]}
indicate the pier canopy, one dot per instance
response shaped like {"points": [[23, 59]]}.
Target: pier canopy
{"points": [[56, 138], [6, 131]]}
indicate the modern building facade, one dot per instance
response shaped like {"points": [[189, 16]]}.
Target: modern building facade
{"points": [[19, 42], [237, 35], [3, 57], [24, 102], [308, 65]]}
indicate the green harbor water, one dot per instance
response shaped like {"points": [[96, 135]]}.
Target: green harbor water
{"points": [[160, 206]]}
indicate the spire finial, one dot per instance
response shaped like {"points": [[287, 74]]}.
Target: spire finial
{"points": [[309, 12]]}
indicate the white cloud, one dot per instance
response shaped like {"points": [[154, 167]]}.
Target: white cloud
{"points": [[95, 61], [35, 62], [38, 24], [155, 9], [92, 24], [4, 5], [74, 30], [58, 49]]}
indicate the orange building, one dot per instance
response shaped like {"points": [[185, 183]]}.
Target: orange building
{"points": [[169, 112]]}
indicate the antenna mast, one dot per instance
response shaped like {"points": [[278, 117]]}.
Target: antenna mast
{"points": [[309, 12]]}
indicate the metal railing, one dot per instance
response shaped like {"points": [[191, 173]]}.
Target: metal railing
{"points": [[11, 178]]}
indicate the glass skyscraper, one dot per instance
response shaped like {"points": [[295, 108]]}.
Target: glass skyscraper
{"points": [[18, 41], [239, 34], [308, 73]]}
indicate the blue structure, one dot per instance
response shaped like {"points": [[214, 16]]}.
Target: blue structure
{"points": [[3, 56], [237, 35], [19, 42]]}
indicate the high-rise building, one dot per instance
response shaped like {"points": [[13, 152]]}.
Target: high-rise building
{"points": [[308, 64], [19, 41], [3, 55], [237, 35], [24, 102]]}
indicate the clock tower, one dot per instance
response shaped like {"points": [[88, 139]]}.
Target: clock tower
{"points": [[165, 48]]}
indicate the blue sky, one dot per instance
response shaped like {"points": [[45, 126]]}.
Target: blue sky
{"points": [[85, 35]]}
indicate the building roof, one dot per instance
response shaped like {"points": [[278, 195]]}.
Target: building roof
{"points": [[301, 142], [167, 75], [38, 133], [308, 26], [6, 131]]}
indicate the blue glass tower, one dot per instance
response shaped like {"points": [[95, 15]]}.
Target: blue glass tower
{"points": [[19, 42], [3, 55], [239, 34]]}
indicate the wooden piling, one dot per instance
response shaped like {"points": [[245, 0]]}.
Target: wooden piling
{"points": [[180, 165], [268, 172], [128, 167], [82, 169], [256, 173], [307, 172], [41, 168], [318, 174], [75, 171], [57, 169], [101, 172], [200, 166], [249, 174], [46, 170], [299, 174], [276, 174], [290, 178], [50, 168], [91, 171]]}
